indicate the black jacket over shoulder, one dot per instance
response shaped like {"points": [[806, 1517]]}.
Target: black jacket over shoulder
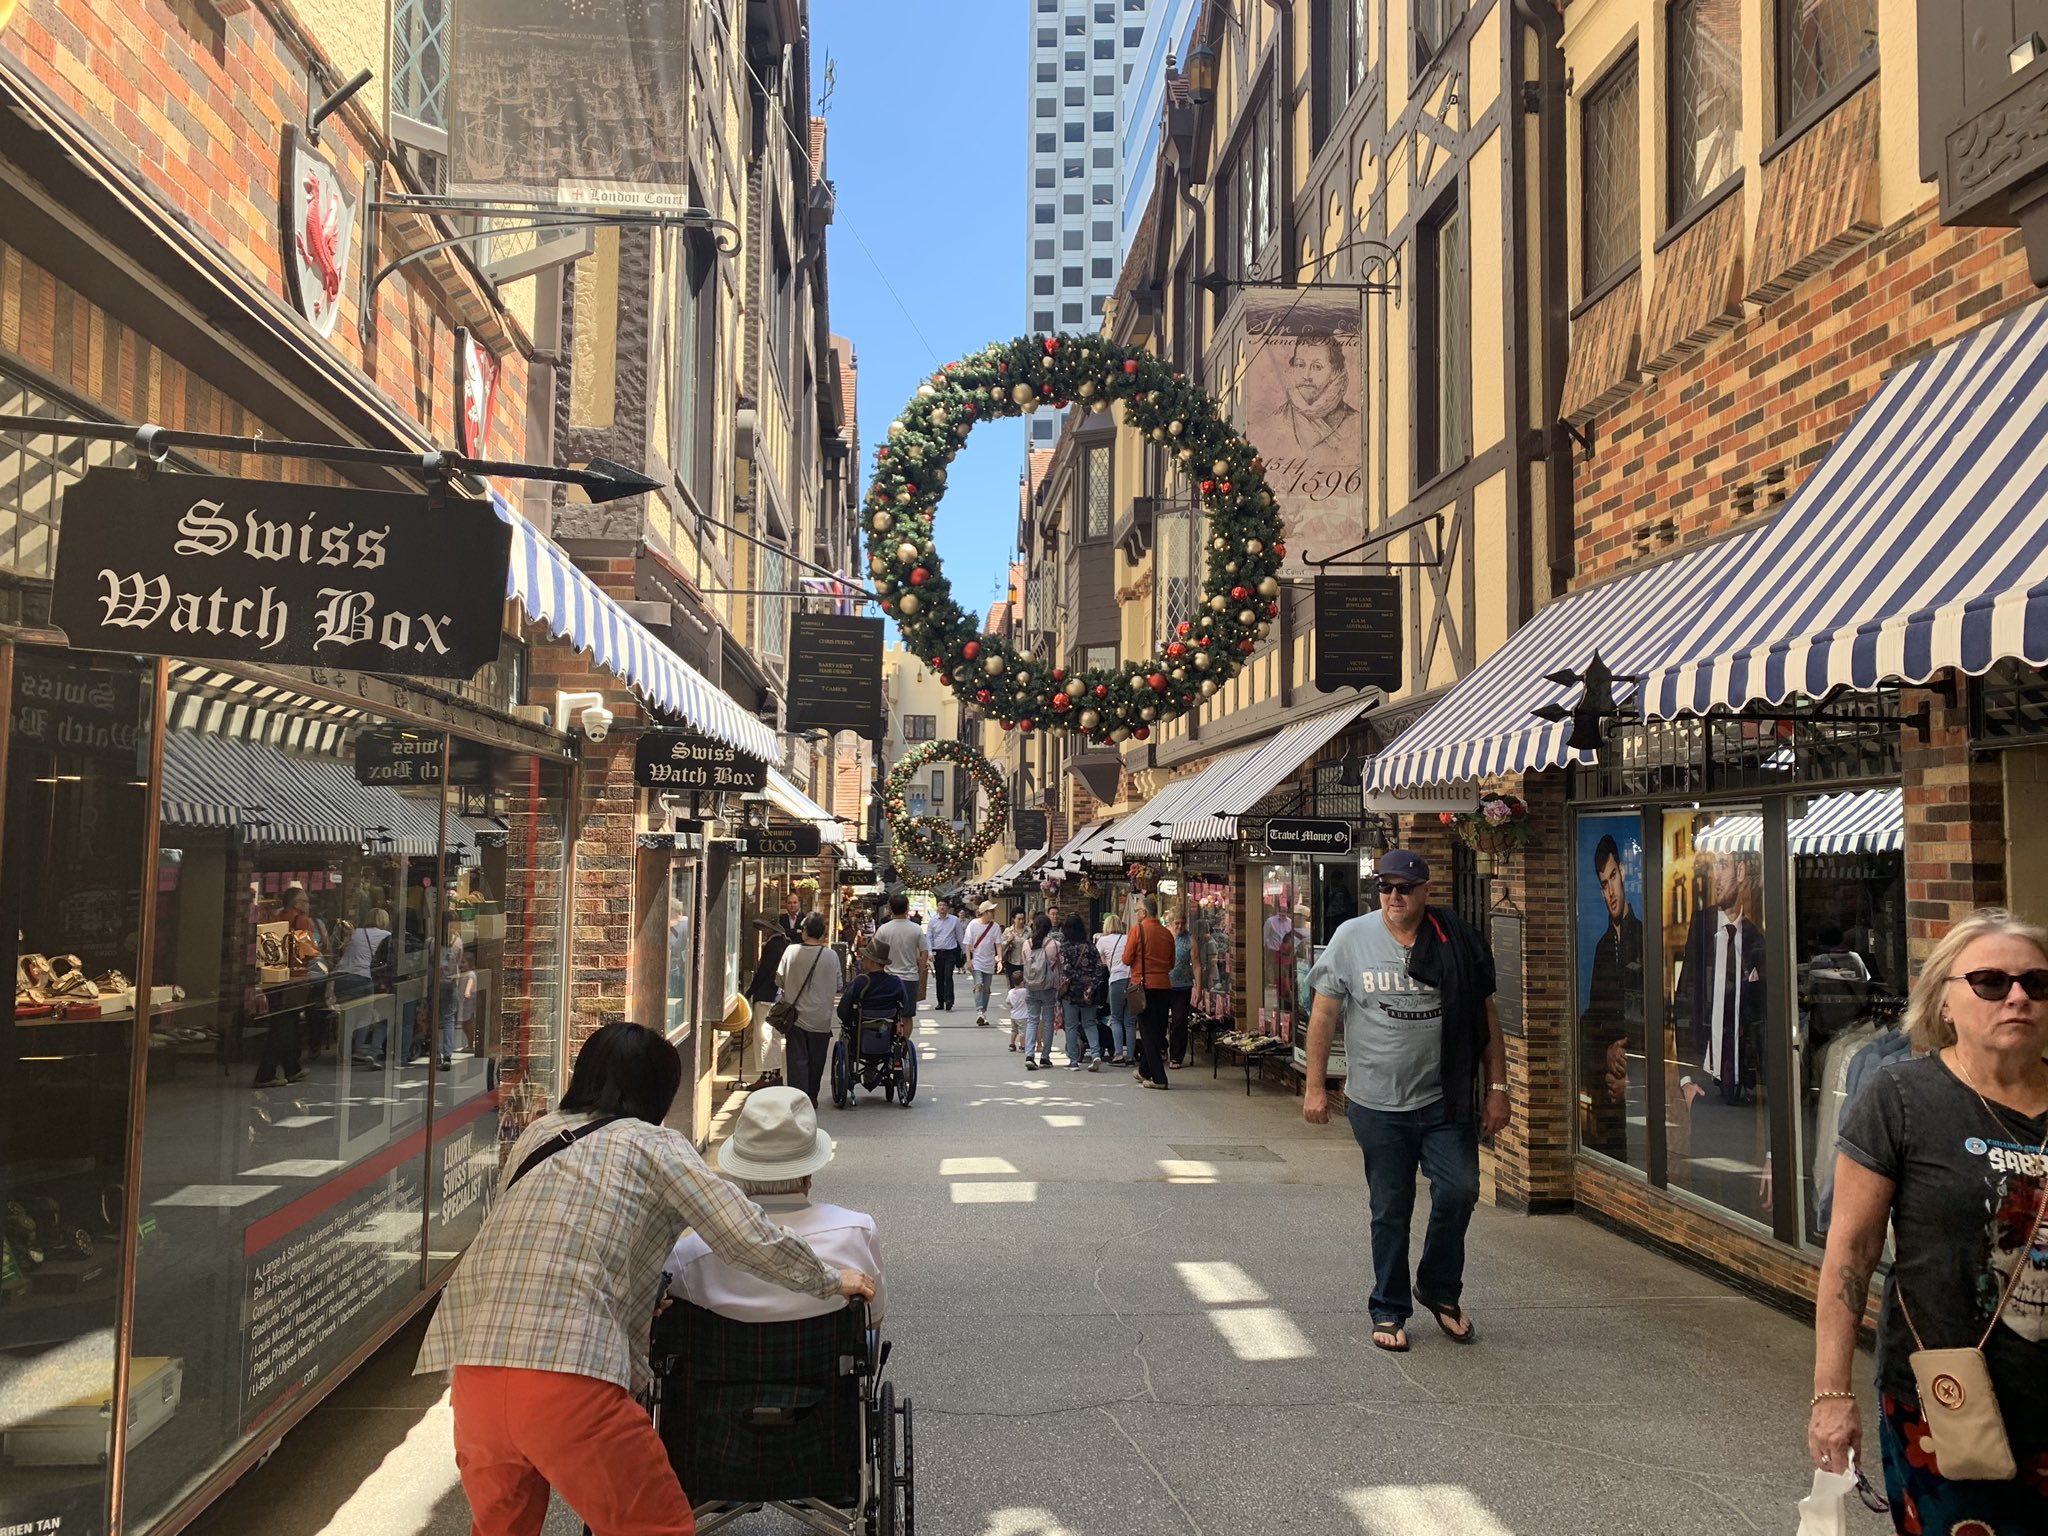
{"points": [[1451, 956]]}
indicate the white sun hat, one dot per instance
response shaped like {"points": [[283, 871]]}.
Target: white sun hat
{"points": [[777, 1137]]}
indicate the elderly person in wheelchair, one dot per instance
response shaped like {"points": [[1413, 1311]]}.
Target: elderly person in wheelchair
{"points": [[774, 1152], [769, 1398]]}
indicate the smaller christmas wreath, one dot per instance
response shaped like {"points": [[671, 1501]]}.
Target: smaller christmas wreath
{"points": [[929, 840]]}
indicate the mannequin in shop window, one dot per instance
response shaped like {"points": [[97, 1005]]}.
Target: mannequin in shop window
{"points": [[1721, 987]]}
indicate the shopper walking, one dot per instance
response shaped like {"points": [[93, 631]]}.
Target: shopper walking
{"points": [[944, 938], [1949, 1152], [810, 987], [910, 958], [1016, 942], [1427, 1077], [983, 941], [545, 1321], [1180, 987], [1148, 951], [1041, 978], [1083, 979], [1111, 944]]}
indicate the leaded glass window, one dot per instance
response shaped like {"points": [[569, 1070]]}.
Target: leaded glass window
{"points": [[1098, 494], [1706, 98], [1821, 44], [1609, 235], [419, 60]]}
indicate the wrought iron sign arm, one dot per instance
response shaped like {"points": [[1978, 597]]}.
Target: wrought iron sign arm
{"points": [[601, 479], [509, 220]]}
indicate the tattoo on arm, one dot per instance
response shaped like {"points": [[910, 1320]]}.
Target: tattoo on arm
{"points": [[1854, 1290]]}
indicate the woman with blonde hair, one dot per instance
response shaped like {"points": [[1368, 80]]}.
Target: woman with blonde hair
{"points": [[1950, 1149], [1116, 1020]]}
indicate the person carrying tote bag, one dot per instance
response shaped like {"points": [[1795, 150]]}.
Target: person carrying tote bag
{"points": [[1950, 1149]]}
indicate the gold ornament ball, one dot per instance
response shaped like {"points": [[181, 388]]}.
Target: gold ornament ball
{"points": [[908, 602], [1087, 388], [1208, 688], [925, 391], [1090, 719], [1253, 547], [1148, 713], [1202, 661], [881, 522], [906, 552], [1220, 468], [1246, 616], [1218, 604], [1023, 394], [1075, 688], [992, 665], [895, 429], [1270, 587]]}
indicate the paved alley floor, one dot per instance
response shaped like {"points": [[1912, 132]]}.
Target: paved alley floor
{"points": [[1121, 1311]]}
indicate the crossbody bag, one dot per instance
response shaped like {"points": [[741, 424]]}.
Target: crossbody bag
{"points": [[1956, 1396], [783, 1014], [561, 1141]]}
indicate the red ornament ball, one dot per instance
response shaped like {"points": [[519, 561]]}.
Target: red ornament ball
{"points": [[1204, 641], [1279, 551], [919, 576], [1237, 594], [1130, 365], [1182, 628], [1027, 725], [1059, 674], [1208, 487], [1061, 703], [945, 679], [1141, 733], [1158, 682], [1102, 690], [1176, 650], [1052, 345], [1246, 646], [982, 696], [971, 650]]}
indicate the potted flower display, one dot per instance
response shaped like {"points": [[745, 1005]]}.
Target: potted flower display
{"points": [[1141, 875], [1499, 825]]}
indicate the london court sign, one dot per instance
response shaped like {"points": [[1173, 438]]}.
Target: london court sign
{"points": [[218, 569]]}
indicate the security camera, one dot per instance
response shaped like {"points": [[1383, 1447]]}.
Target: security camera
{"points": [[589, 710]]}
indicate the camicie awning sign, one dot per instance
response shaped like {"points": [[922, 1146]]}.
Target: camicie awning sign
{"points": [[216, 569]]}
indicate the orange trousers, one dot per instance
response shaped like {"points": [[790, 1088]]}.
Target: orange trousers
{"points": [[518, 1433]]}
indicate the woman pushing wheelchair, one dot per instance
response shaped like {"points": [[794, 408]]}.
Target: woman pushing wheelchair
{"points": [[545, 1320]]}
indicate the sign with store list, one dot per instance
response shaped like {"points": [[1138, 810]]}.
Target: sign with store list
{"points": [[1029, 828], [835, 674], [253, 570], [1358, 633], [685, 760]]}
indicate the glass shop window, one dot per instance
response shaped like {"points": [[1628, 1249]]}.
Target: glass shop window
{"points": [[71, 880], [1614, 1064]]}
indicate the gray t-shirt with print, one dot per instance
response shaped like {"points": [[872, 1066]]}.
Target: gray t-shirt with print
{"points": [[1393, 1025]]}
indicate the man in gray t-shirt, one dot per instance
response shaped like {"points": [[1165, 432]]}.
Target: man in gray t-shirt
{"points": [[909, 956], [1398, 1097]]}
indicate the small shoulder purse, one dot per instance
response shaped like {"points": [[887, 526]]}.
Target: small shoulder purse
{"points": [[1956, 1396]]}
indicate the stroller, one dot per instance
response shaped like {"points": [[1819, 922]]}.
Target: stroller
{"points": [[793, 1416]]}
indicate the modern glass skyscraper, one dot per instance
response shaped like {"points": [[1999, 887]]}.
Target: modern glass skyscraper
{"points": [[1081, 52]]}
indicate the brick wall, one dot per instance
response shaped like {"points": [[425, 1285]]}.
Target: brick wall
{"points": [[1696, 444], [1955, 821], [197, 98]]}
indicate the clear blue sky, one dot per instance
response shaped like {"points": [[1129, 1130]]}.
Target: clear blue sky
{"points": [[925, 147]]}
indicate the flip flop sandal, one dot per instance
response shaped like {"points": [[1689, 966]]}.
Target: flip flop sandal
{"points": [[1445, 1316], [1391, 1330]]}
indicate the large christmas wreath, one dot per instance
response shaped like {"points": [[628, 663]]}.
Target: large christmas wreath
{"points": [[929, 840], [1241, 592]]}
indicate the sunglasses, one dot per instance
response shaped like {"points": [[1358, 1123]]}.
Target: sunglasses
{"points": [[1402, 888], [1996, 986]]}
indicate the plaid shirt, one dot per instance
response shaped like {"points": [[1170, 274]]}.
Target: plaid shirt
{"points": [[566, 1271]]}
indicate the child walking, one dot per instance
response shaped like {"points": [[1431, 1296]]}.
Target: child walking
{"points": [[1020, 1013]]}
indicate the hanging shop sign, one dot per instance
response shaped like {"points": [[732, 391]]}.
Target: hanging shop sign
{"points": [[1302, 393], [685, 760], [393, 756], [835, 674], [780, 843], [1308, 835], [208, 567], [476, 375], [1504, 933], [611, 128], [1028, 827], [319, 232], [1358, 633]]}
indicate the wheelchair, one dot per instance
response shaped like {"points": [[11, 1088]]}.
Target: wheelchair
{"points": [[790, 1416], [875, 1057]]}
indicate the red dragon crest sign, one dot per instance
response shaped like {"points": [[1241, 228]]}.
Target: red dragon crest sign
{"points": [[319, 230]]}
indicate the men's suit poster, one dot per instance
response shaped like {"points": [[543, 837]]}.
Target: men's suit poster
{"points": [[1608, 863]]}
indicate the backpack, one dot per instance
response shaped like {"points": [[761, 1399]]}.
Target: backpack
{"points": [[1084, 971], [1037, 968]]}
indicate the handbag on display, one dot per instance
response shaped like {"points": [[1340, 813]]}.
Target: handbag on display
{"points": [[1956, 1396]]}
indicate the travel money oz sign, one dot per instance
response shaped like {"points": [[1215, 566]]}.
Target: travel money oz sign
{"points": [[254, 570], [684, 760], [1308, 835]]}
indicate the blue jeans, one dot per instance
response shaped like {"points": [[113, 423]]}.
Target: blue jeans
{"points": [[1038, 1028], [1119, 1018], [1080, 1020], [983, 980], [1396, 1144]]}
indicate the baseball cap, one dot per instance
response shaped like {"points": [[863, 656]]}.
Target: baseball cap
{"points": [[1400, 864]]}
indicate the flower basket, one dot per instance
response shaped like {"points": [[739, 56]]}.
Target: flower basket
{"points": [[1500, 825], [1142, 877]]}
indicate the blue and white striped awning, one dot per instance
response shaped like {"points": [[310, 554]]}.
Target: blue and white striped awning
{"points": [[1211, 815], [798, 806], [1485, 725], [1857, 821], [221, 781], [554, 592], [1919, 544], [1148, 831]]}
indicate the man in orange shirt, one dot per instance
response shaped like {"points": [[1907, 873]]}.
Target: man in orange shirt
{"points": [[1148, 951]]}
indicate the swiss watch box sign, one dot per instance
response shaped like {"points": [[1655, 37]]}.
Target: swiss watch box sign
{"points": [[684, 760], [202, 566]]}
